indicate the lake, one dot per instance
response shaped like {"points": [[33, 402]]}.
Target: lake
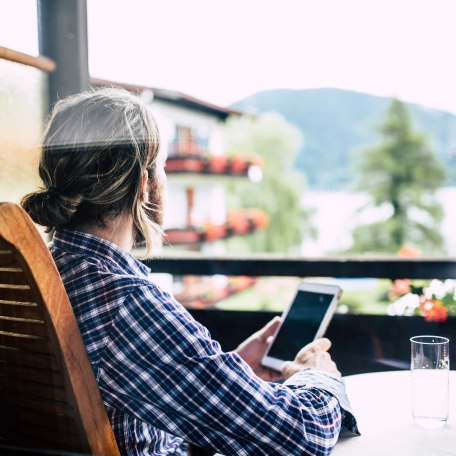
{"points": [[337, 213]]}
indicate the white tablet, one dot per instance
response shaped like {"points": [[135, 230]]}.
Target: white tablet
{"points": [[305, 319]]}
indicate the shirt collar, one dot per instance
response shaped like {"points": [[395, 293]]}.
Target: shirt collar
{"points": [[89, 244]]}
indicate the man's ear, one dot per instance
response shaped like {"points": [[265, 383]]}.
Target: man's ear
{"points": [[144, 186]]}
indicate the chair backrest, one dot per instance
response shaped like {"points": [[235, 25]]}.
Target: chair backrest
{"points": [[49, 398]]}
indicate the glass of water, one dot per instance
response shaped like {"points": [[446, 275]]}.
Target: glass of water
{"points": [[430, 380]]}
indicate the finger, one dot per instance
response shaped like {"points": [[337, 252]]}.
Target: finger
{"points": [[322, 356], [322, 344], [324, 361], [306, 356], [288, 369], [332, 369], [270, 328]]}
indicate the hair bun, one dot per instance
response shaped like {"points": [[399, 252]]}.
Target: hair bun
{"points": [[50, 208], [49, 194]]}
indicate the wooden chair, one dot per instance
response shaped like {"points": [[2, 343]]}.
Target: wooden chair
{"points": [[49, 398]]}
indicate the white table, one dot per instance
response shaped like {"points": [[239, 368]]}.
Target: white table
{"points": [[382, 405]]}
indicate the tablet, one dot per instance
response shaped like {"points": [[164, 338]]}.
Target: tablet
{"points": [[305, 319]]}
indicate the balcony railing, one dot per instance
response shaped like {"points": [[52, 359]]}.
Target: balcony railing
{"points": [[361, 343], [261, 265]]}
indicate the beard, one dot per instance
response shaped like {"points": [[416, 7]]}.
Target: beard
{"points": [[154, 209]]}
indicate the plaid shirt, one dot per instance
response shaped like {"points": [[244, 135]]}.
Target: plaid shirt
{"points": [[163, 379]]}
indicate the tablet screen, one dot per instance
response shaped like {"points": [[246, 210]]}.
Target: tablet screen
{"points": [[301, 324]]}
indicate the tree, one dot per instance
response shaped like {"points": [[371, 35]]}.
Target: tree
{"points": [[280, 191], [403, 174]]}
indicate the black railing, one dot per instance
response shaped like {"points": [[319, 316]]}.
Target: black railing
{"points": [[388, 268], [361, 343]]}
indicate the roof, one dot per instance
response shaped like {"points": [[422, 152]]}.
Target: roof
{"points": [[171, 96]]}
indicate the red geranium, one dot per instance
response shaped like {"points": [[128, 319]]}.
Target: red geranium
{"points": [[401, 287], [433, 310]]}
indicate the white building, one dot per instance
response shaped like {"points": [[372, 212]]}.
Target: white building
{"points": [[198, 167]]}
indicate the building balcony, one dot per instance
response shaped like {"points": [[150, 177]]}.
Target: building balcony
{"points": [[239, 222], [235, 165]]}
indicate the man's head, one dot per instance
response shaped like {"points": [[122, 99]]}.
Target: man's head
{"points": [[100, 160]]}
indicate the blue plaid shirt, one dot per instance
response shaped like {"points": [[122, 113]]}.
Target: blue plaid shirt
{"points": [[164, 380]]}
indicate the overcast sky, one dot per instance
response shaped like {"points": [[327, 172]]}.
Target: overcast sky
{"points": [[222, 51]]}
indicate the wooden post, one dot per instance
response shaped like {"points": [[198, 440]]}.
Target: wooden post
{"points": [[62, 29]]}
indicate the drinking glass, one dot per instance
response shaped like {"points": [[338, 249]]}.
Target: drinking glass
{"points": [[430, 380]]}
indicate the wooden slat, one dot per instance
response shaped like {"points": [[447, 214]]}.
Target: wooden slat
{"points": [[7, 259], [18, 293], [42, 426], [30, 388], [25, 418], [12, 275], [14, 438], [8, 256], [29, 359], [28, 343], [20, 310], [26, 327], [14, 286], [46, 377], [22, 320], [40, 446], [44, 420], [35, 438], [17, 401]]}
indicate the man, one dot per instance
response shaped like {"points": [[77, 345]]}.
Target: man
{"points": [[161, 376]]}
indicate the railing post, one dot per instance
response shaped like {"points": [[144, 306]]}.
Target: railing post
{"points": [[62, 29]]}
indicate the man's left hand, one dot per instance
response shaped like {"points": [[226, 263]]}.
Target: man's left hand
{"points": [[253, 349]]}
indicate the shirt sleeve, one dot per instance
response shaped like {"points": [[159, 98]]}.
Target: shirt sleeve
{"points": [[316, 378], [162, 367]]}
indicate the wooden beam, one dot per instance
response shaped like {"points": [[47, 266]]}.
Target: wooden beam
{"points": [[42, 63]]}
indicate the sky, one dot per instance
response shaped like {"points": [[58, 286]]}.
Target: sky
{"points": [[221, 51]]}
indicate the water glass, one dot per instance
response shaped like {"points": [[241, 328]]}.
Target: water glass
{"points": [[430, 380]]}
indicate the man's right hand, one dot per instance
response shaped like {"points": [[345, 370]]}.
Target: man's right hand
{"points": [[313, 355]]}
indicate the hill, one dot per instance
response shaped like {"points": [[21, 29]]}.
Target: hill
{"points": [[335, 123]]}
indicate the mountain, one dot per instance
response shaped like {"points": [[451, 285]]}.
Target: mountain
{"points": [[335, 123]]}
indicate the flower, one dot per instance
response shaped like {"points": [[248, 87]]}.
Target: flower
{"points": [[435, 301], [401, 287], [405, 305], [408, 251], [433, 309]]}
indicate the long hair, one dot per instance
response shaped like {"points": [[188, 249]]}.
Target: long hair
{"points": [[96, 148]]}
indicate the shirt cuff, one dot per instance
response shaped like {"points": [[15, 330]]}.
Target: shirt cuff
{"points": [[315, 378]]}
